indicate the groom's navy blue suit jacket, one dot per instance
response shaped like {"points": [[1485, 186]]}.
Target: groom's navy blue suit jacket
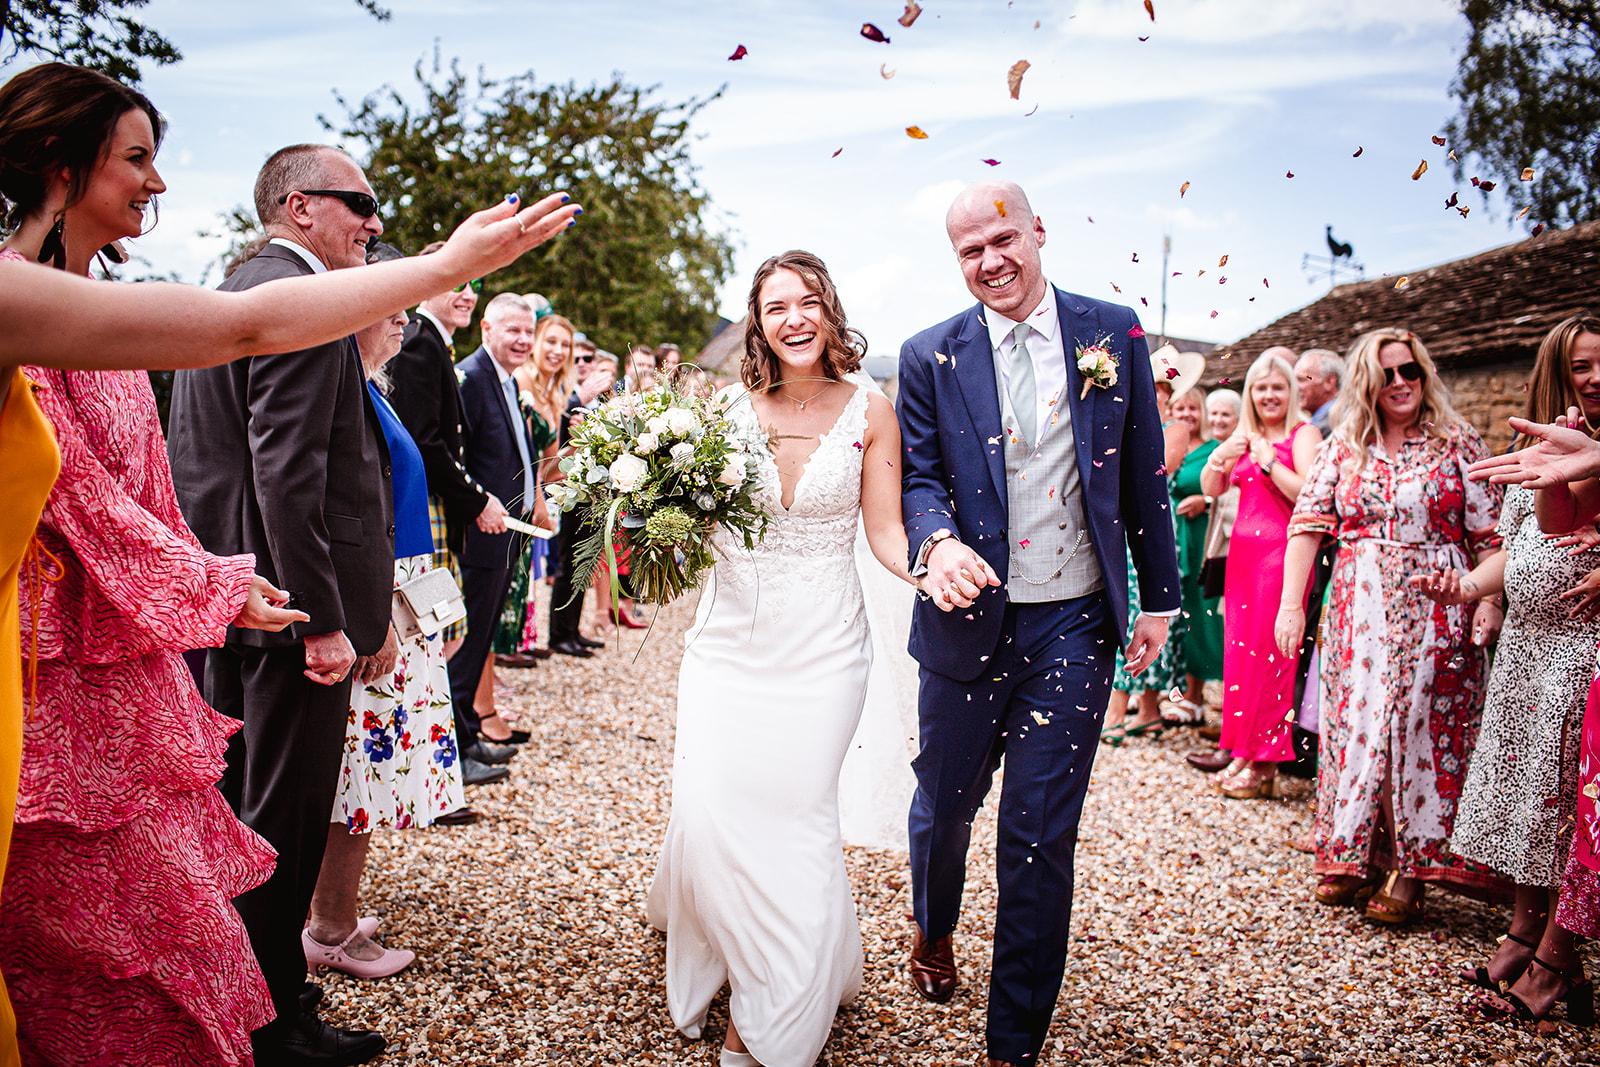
{"points": [[955, 477]]}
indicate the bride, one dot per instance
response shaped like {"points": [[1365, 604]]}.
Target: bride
{"points": [[751, 887]]}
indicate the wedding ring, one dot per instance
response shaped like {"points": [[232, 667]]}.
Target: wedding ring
{"points": [[336, 677]]}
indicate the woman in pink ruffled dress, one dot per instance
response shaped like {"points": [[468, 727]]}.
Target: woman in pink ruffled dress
{"points": [[118, 937]]}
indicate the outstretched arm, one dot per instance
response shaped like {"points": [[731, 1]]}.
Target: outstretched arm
{"points": [[51, 318]]}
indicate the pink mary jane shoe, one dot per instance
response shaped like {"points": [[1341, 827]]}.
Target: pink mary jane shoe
{"points": [[334, 956]]}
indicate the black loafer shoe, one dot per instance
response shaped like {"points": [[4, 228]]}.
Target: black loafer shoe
{"points": [[489, 752], [571, 648], [462, 816], [312, 1041], [589, 642], [475, 773]]}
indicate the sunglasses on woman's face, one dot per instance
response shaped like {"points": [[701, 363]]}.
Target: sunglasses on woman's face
{"points": [[588, 358], [476, 285], [1411, 372], [364, 205]]}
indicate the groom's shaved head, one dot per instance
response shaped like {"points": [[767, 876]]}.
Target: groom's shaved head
{"points": [[996, 238], [992, 197]]}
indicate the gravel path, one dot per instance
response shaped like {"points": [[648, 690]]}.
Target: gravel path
{"points": [[1195, 939]]}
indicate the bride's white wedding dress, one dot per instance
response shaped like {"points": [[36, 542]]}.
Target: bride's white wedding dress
{"points": [[751, 886]]}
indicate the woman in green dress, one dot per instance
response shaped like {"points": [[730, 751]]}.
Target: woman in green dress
{"points": [[1202, 647]]}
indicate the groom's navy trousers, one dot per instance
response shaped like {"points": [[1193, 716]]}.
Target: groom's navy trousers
{"points": [[1039, 705]]}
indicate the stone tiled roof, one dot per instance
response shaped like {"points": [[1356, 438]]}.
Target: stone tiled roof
{"points": [[1490, 308]]}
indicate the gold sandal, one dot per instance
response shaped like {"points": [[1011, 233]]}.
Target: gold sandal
{"points": [[1385, 908]]}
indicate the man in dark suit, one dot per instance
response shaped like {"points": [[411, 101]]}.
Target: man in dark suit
{"points": [[1028, 456], [427, 398], [498, 455], [281, 455]]}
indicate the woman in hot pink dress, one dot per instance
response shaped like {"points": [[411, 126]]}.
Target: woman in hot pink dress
{"points": [[118, 938], [1266, 457]]}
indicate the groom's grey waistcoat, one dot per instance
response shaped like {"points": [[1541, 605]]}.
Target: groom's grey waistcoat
{"points": [[1044, 498]]}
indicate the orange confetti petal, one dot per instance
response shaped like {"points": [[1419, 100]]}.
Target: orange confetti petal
{"points": [[884, 70], [915, 132], [1000, 206], [1402, 281], [1524, 212], [1438, 140], [1151, 8], [913, 9], [1527, 174], [1184, 188], [1223, 262], [1014, 77], [1422, 168]]}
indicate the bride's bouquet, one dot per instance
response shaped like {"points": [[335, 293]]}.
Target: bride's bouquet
{"points": [[653, 473]]}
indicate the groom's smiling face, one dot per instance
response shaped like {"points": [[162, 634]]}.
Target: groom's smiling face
{"points": [[998, 249]]}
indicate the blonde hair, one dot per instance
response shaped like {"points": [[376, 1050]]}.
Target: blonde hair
{"points": [[1197, 397], [550, 394], [1358, 425], [1266, 364]]}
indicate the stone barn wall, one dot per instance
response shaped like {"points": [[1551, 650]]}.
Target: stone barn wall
{"points": [[1488, 396]]}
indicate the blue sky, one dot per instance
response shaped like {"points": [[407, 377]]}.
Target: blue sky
{"points": [[1228, 95]]}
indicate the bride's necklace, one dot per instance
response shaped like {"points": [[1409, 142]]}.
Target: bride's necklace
{"points": [[802, 403]]}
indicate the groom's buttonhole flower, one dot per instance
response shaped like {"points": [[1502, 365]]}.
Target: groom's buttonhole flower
{"points": [[872, 33], [1014, 77], [913, 9], [739, 53]]}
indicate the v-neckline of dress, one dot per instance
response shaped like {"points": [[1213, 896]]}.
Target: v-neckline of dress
{"points": [[822, 442]]}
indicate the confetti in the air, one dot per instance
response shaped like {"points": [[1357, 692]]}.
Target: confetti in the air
{"points": [[1357, 153], [1402, 281], [1222, 280], [915, 132], [991, 162], [1014, 77], [1264, 284], [739, 53], [1036, 108], [1144, 38], [1136, 330], [1136, 257], [1463, 209], [1143, 301], [1452, 201], [1453, 158], [1223, 262], [1150, 7], [872, 33], [913, 9], [836, 152], [884, 70], [1438, 140], [1422, 168], [1213, 314], [1527, 174], [1487, 187], [1182, 189], [1537, 230], [1524, 212], [1116, 287], [1289, 174]]}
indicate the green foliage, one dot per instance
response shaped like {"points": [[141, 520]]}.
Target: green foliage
{"points": [[92, 33], [1529, 89], [641, 266]]}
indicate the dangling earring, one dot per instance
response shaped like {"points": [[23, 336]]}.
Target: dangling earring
{"points": [[54, 247], [114, 253]]}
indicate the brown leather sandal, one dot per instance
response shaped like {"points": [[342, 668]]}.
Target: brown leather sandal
{"points": [[1385, 908]]}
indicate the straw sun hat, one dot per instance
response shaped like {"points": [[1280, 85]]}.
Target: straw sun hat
{"points": [[1180, 370]]}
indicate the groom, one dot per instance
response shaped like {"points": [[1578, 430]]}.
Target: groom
{"points": [[1019, 465]]}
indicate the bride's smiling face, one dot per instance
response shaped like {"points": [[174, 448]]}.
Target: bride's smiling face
{"points": [[793, 322]]}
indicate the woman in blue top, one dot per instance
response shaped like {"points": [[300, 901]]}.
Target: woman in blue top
{"points": [[400, 762]]}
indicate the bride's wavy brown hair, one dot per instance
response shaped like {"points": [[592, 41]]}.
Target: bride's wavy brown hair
{"points": [[842, 347], [1358, 399]]}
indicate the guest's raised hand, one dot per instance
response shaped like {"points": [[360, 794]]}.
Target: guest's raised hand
{"points": [[1447, 587], [1261, 450], [1559, 454], [599, 381], [495, 237], [264, 608], [1584, 598], [1235, 446], [1579, 540], [329, 657]]}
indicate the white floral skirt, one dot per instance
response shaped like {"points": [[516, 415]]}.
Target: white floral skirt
{"points": [[401, 766]]}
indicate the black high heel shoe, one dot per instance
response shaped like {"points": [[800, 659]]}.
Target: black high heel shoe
{"points": [[1481, 979], [1579, 997]]}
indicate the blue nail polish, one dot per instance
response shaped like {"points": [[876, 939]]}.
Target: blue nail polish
{"points": [[565, 198], [579, 211], [512, 197], [571, 224]]}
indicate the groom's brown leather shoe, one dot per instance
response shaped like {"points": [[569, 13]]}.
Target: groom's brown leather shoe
{"points": [[933, 968]]}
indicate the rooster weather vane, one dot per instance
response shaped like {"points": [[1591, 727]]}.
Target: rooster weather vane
{"points": [[1339, 264]]}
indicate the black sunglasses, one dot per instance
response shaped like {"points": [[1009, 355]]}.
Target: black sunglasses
{"points": [[1411, 372], [584, 359], [476, 285], [364, 205]]}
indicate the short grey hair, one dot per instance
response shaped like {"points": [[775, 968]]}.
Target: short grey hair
{"points": [[503, 303], [1229, 397], [299, 166], [1327, 362]]}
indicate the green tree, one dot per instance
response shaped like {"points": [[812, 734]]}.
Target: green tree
{"points": [[102, 34], [1529, 91], [642, 265]]}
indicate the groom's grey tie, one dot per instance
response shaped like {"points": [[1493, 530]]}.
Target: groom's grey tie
{"points": [[1024, 395]]}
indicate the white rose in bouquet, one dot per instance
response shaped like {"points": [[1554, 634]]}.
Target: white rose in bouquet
{"points": [[682, 421], [656, 424], [733, 471], [647, 442], [627, 471], [682, 452]]}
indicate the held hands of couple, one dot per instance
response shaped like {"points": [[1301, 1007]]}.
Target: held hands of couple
{"points": [[1560, 453], [956, 575]]}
